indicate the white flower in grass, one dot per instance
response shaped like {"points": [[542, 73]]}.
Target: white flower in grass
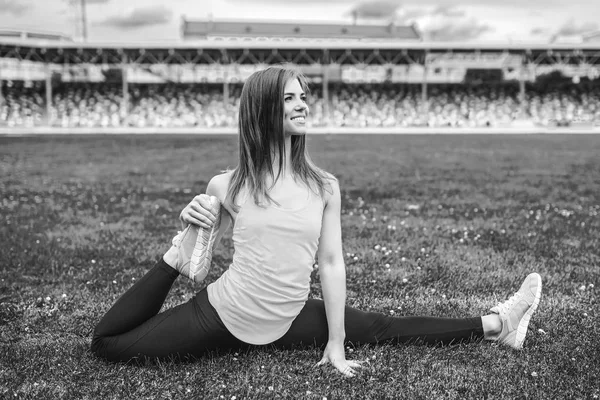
{"points": [[582, 287], [270, 387], [387, 265], [403, 259], [534, 374], [308, 392], [377, 247], [543, 332], [93, 261], [404, 280]]}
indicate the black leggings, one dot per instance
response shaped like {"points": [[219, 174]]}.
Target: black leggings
{"points": [[133, 329]]}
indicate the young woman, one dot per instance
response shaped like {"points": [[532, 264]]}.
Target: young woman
{"points": [[284, 211]]}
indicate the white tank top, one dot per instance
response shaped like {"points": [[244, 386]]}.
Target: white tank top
{"points": [[268, 282]]}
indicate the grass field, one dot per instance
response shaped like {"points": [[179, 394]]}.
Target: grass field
{"points": [[434, 225]]}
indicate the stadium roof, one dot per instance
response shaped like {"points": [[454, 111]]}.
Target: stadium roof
{"points": [[21, 34], [272, 51], [200, 29]]}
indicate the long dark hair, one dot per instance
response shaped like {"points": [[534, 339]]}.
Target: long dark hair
{"points": [[261, 133]]}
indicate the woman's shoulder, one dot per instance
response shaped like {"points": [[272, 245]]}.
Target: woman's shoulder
{"points": [[328, 176], [219, 184], [331, 186]]}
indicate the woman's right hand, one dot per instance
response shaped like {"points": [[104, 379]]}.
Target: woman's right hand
{"points": [[198, 213]]}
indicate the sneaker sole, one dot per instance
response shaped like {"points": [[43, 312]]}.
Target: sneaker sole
{"points": [[524, 323], [202, 255]]}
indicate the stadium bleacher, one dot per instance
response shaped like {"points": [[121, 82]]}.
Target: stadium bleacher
{"points": [[77, 104], [384, 83]]}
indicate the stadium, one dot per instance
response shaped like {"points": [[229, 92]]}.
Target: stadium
{"points": [[463, 166], [403, 82]]}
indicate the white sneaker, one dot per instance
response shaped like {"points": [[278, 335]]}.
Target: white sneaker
{"points": [[191, 253], [516, 312], [205, 241]]}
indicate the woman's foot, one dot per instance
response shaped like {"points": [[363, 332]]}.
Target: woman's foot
{"points": [[515, 313], [191, 253]]}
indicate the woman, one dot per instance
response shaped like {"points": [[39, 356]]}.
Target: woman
{"points": [[284, 211]]}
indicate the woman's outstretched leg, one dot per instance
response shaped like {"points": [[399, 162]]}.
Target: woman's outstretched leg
{"points": [[507, 324]]}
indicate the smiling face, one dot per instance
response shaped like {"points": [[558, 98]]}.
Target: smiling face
{"points": [[295, 109]]}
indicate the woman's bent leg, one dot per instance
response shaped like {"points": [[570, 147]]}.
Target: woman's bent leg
{"points": [[310, 327], [141, 302], [132, 329]]}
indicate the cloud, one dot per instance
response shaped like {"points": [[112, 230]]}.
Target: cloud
{"points": [[287, 2], [378, 9], [456, 31], [448, 11], [572, 28], [539, 31], [15, 7], [407, 16], [140, 17], [442, 3]]}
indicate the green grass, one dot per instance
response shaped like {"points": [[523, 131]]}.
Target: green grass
{"points": [[82, 217]]}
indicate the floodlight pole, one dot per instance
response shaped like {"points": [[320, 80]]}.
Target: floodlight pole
{"points": [[226, 90], [522, 89], [124, 86], [48, 93], [425, 106], [84, 20], [1, 86], [326, 94]]}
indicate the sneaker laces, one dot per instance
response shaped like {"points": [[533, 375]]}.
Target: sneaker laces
{"points": [[504, 307], [177, 239]]}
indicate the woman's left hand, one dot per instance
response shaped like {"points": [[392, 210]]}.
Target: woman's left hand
{"points": [[334, 353]]}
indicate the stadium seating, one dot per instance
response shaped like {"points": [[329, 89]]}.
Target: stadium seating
{"points": [[76, 104]]}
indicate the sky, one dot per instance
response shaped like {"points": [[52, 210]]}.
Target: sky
{"points": [[114, 21]]}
